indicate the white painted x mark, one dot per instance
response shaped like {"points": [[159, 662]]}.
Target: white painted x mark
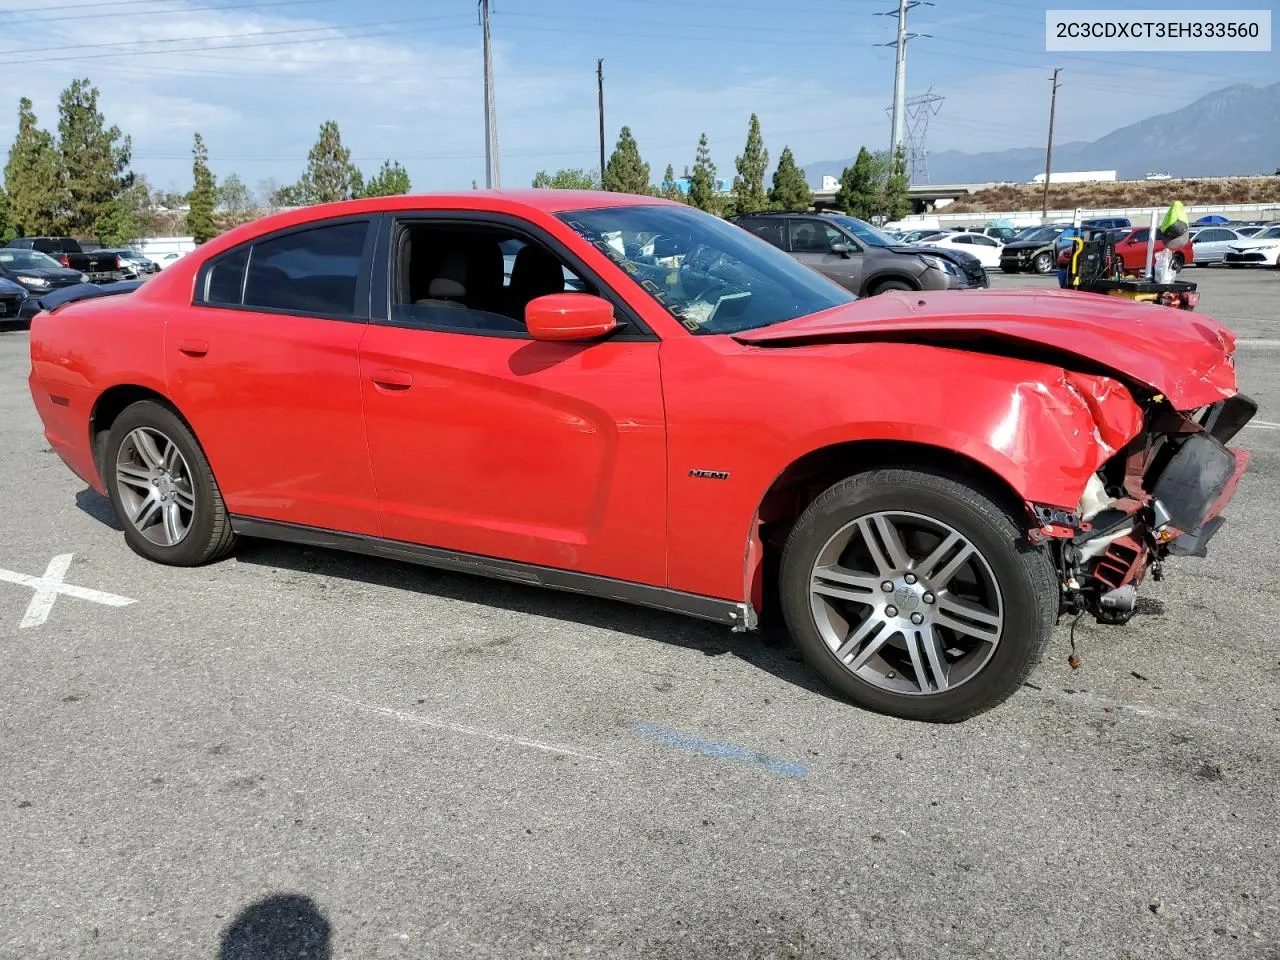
{"points": [[51, 585]]}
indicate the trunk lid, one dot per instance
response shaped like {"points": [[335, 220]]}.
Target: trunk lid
{"points": [[1183, 355]]}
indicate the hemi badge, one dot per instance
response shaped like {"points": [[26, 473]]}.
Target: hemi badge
{"points": [[709, 474]]}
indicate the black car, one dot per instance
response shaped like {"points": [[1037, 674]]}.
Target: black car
{"points": [[1036, 251], [36, 271], [13, 302], [861, 258]]}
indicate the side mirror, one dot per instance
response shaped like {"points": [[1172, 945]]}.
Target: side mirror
{"points": [[840, 248], [562, 317]]}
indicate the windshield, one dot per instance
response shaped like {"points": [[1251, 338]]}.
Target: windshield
{"points": [[710, 275], [28, 260], [863, 231], [1042, 234]]}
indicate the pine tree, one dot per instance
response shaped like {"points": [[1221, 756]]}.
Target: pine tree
{"points": [[7, 232], [390, 181], [203, 196], [702, 184], [34, 179], [858, 188], [626, 172], [575, 179], [669, 190], [897, 202], [748, 185], [330, 173], [96, 158], [790, 188], [117, 222]]}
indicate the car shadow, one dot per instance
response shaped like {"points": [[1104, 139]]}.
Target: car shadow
{"points": [[99, 507], [769, 649], [285, 926]]}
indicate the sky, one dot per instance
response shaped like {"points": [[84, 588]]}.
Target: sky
{"points": [[403, 79]]}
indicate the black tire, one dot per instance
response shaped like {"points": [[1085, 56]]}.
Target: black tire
{"points": [[1043, 263], [209, 536], [1025, 575], [1177, 261], [884, 286]]}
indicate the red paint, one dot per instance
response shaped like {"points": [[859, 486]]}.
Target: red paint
{"points": [[579, 454], [1134, 252]]}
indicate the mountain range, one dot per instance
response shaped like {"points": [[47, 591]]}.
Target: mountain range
{"points": [[1230, 132]]}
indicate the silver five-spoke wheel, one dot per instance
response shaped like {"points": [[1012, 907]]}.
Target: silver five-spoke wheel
{"points": [[906, 603], [155, 486]]}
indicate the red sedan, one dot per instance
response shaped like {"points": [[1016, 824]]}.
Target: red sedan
{"points": [[1132, 249], [626, 397]]}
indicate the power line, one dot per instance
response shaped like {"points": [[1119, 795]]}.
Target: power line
{"points": [[159, 13]]}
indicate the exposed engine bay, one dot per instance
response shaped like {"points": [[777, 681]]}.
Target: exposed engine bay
{"points": [[1160, 496]]}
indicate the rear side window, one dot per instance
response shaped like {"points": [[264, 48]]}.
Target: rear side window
{"points": [[225, 281], [765, 228], [311, 271]]}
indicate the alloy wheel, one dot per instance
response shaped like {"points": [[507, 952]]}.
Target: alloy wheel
{"points": [[155, 486], [906, 603]]}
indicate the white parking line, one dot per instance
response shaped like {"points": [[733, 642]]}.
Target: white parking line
{"points": [[464, 729], [1263, 425], [1257, 343], [48, 587]]}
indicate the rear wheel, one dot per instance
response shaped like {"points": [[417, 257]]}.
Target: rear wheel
{"points": [[163, 489], [1177, 261], [917, 596]]}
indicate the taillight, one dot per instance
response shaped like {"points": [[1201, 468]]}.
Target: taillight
{"points": [[119, 262], [64, 260]]}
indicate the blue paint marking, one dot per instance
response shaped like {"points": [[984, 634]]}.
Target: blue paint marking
{"points": [[714, 748]]}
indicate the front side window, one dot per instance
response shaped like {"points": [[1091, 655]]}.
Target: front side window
{"points": [[472, 277], [813, 236], [310, 271], [710, 275]]}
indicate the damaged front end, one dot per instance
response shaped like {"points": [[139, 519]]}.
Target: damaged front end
{"points": [[1161, 495]]}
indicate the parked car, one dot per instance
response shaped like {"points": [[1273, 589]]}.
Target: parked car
{"points": [[99, 267], [13, 300], [1249, 230], [1213, 243], [986, 249], [1262, 248], [133, 264], [37, 272], [915, 236], [1132, 251], [163, 260], [1003, 234], [935, 477], [859, 257], [1035, 250]]}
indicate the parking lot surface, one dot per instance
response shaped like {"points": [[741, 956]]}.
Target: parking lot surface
{"points": [[297, 750]]}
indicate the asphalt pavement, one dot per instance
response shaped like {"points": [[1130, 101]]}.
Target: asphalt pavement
{"points": [[297, 753]]}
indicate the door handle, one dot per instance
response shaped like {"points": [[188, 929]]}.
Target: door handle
{"points": [[393, 379], [193, 348]]}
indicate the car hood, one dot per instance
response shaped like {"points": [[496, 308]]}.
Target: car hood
{"points": [[958, 255], [1177, 353], [1243, 245], [52, 274], [1016, 245]]}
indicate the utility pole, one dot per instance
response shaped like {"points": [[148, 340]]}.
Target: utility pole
{"points": [[492, 177], [600, 98], [1048, 152], [900, 70]]}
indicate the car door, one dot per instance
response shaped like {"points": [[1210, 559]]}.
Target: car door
{"points": [[1211, 245], [485, 441], [265, 367], [810, 240], [985, 249]]}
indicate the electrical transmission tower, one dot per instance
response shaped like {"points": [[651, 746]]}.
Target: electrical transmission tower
{"points": [[918, 110]]}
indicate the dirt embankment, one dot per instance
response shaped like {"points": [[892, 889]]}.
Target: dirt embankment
{"points": [[1149, 193]]}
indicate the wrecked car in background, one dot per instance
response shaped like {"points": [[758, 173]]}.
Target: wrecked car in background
{"points": [[652, 405]]}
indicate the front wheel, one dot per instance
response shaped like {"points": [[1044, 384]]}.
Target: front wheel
{"points": [[1177, 261], [917, 596], [163, 489], [1043, 263]]}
